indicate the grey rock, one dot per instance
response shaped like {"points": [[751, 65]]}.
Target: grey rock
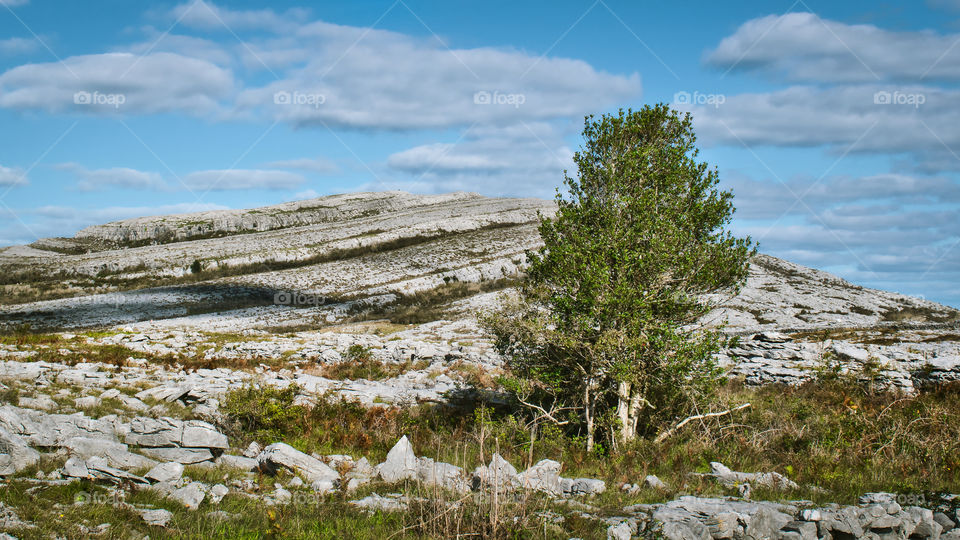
{"points": [[375, 502], [619, 532], [733, 479], [237, 462], [169, 432], [116, 453], [766, 523], [401, 463], [76, 467], [445, 475], [542, 476], [282, 455], [165, 472], [15, 454], [217, 493], [944, 521], [926, 526], [499, 475], [191, 495], [156, 517], [652, 481], [186, 456], [575, 487], [86, 402], [100, 469], [801, 530], [253, 450]]}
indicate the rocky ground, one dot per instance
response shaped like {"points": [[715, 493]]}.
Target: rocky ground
{"points": [[147, 324]]}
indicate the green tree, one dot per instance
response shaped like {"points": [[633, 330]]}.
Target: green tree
{"points": [[605, 323]]}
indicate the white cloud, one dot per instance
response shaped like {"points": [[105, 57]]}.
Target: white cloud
{"points": [[118, 177], [16, 45], [319, 165], [12, 176], [209, 16], [491, 161], [189, 46], [117, 83], [306, 194], [234, 179], [804, 47], [841, 118], [389, 80]]}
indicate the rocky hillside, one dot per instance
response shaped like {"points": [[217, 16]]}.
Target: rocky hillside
{"points": [[151, 325], [427, 263]]}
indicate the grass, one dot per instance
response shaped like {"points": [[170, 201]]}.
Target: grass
{"points": [[833, 436], [359, 363]]}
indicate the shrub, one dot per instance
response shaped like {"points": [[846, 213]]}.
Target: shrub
{"points": [[267, 414]]}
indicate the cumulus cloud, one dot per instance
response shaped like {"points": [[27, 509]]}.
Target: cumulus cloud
{"points": [[16, 45], [804, 47], [12, 176], [239, 179], [117, 83], [319, 165], [117, 177], [491, 161], [919, 122], [209, 16], [363, 78]]}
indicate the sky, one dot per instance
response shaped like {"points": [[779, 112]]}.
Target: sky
{"points": [[836, 124]]}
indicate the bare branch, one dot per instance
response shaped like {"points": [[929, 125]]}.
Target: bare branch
{"points": [[671, 431]]}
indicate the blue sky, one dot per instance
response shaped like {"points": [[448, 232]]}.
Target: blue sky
{"points": [[837, 124]]}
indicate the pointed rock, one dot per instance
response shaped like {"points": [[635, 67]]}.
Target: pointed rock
{"points": [[401, 463]]}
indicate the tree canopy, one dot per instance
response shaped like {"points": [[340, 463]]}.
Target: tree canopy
{"points": [[604, 324]]}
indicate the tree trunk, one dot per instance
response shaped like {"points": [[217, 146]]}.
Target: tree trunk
{"points": [[588, 414], [628, 410]]}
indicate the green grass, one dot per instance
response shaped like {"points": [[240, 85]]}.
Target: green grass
{"points": [[832, 436]]}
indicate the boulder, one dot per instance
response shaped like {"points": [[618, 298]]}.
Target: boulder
{"points": [[499, 475], [115, 452], [99, 468], [39, 429], [445, 475], [155, 517], [186, 456], [374, 502], [190, 495], [401, 462], [237, 462], [76, 468], [217, 493], [619, 532], [170, 432], [652, 481], [282, 455], [574, 487], [165, 472], [543, 476], [15, 454]]}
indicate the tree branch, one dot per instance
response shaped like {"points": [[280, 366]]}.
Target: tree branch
{"points": [[671, 431]]}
